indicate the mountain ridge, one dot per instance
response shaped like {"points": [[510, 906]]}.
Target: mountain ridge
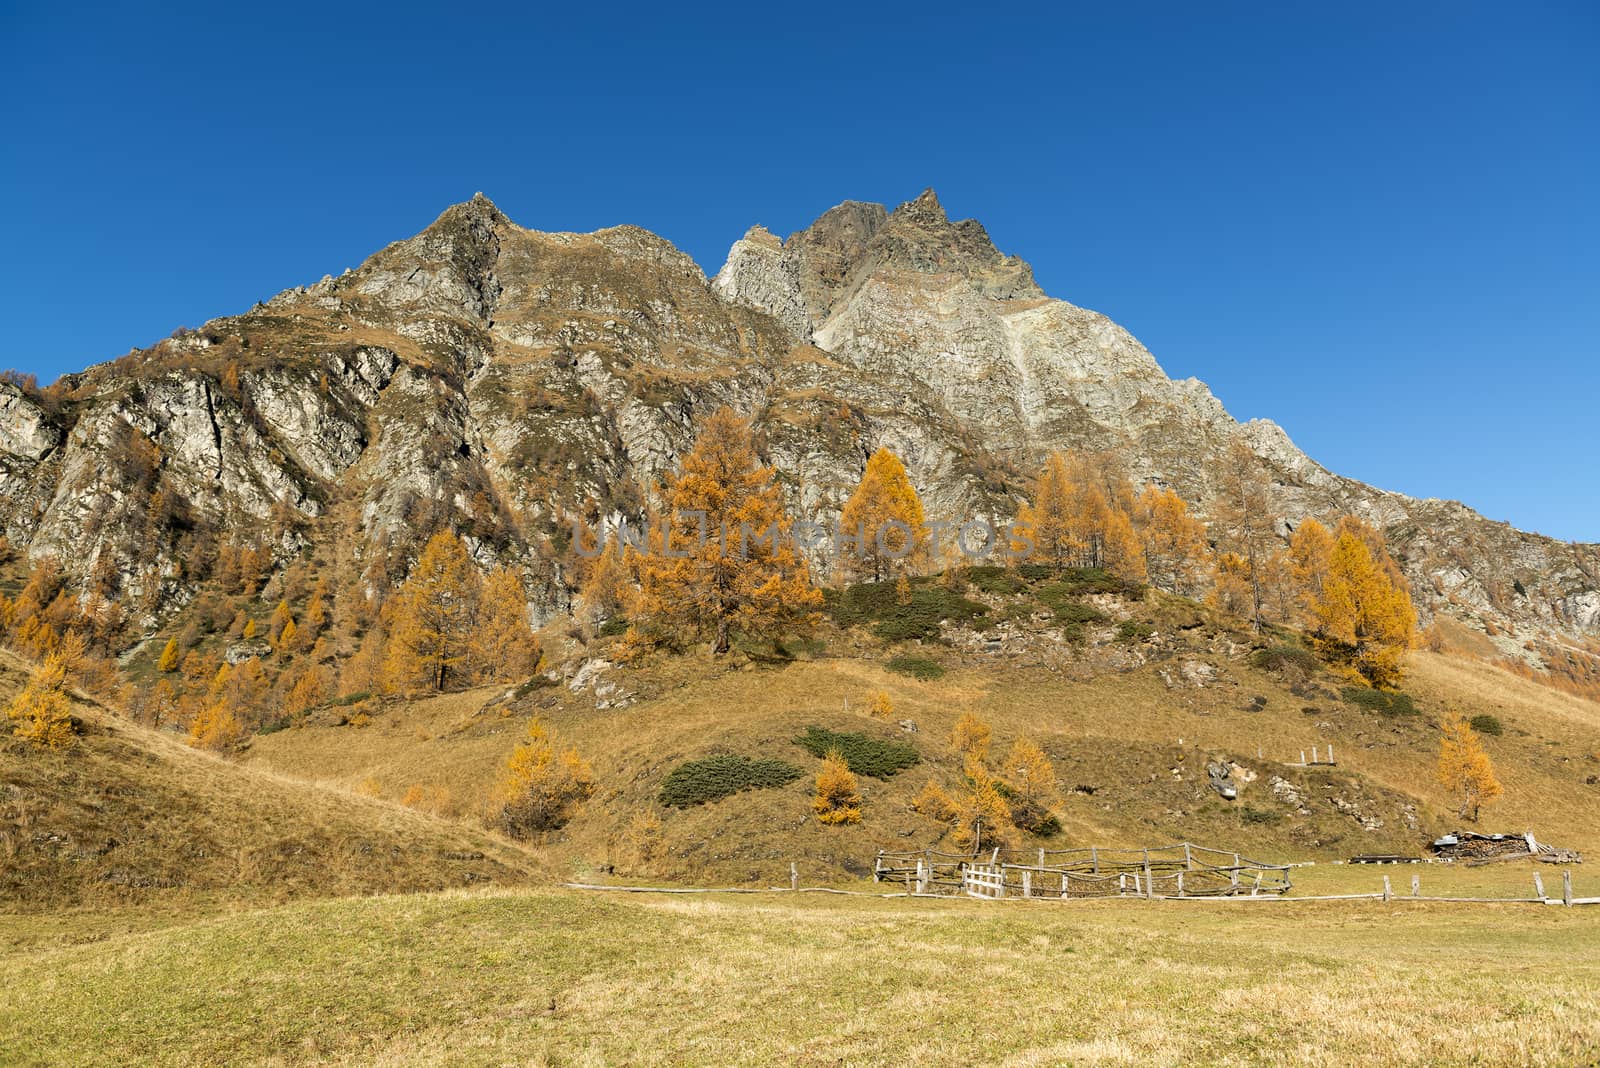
{"points": [[503, 379]]}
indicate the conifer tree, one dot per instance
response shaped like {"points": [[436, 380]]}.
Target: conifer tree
{"points": [[609, 587], [885, 515], [538, 787], [881, 707], [738, 568], [431, 618], [1362, 616], [215, 726], [169, 657], [1245, 523], [1465, 769], [971, 736], [982, 818], [1174, 541], [1032, 779], [41, 714], [838, 797], [502, 642], [1048, 518]]}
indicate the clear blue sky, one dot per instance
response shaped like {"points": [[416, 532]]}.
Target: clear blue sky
{"points": [[1376, 225]]}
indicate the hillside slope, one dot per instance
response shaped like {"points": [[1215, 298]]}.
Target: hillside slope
{"points": [[1131, 715], [133, 816]]}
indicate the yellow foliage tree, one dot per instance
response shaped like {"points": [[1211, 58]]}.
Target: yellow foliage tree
{"points": [[1174, 541], [503, 648], [281, 618], [971, 736], [1245, 523], [287, 636], [308, 690], [982, 818], [431, 618], [1048, 518], [41, 714], [169, 657], [1311, 558], [1032, 778], [884, 521], [881, 707], [215, 726], [1465, 769], [249, 629], [609, 587], [1362, 616], [539, 788], [728, 563], [838, 798]]}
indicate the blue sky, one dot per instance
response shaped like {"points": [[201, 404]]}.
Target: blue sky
{"points": [[1377, 225]]}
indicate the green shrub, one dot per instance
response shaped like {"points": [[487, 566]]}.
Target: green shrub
{"points": [[1285, 657], [349, 699], [715, 777], [915, 666], [877, 603], [1258, 815], [1487, 724], [996, 580], [1133, 631], [864, 754], [1381, 701], [615, 627], [1081, 580], [1035, 572]]}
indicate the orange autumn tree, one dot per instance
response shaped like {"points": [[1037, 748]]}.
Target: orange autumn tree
{"points": [[1246, 527], [539, 788], [1311, 558], [1032, 779], [886, 514], [1465, 769], [1048, 518], [1174, 541], [502, 644], [1364, 616], [728, 562], [432, 617], [838, 798], [41, 714]]}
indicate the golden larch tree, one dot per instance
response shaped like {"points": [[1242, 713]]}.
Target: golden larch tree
{"points": [[838, 797], [431, 618], [609, 587], [728, 562], [538, 788], [169, 657], [1032, 779], [41, 714], [885, 515], [503, 647], [1174, 542], [1465, 769], [971, 735], [1311, 557], [1245, 524], [982, 818], [1047, 519], [1363, 617]]}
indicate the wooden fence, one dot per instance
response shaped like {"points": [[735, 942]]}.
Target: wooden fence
{"points": [[1180, 870]]}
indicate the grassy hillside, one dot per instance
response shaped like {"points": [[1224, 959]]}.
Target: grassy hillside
{"points": [[501, 977], [131, 816], [1131, 706]]}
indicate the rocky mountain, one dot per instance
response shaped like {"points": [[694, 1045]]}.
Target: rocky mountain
{"points": [[504, 380]]}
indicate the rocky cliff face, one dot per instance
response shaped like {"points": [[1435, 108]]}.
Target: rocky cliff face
{"points": [[505, 380]]}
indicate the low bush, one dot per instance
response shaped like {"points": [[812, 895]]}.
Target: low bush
{"points": [[1281, 658], [715, 777], [1380, 701], [996, 580], [1487, 724], [916, 667], [865, 755], [877, 603], [1258, 815], [615, 627], [1133, 631]]}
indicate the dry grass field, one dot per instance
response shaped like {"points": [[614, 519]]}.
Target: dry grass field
{"points": [[567, 978]]}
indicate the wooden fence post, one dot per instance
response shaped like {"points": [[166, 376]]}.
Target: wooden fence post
{"points": [[1416, 886], [1149, 883], [1330, 752], [1041, 856], [1064, 878], [1180, 884], [922, 877], [1566, 886], [794, 876], [1027, 884], [1188, 856], [1538, 886], [1094, 858], [1387, 892]]}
